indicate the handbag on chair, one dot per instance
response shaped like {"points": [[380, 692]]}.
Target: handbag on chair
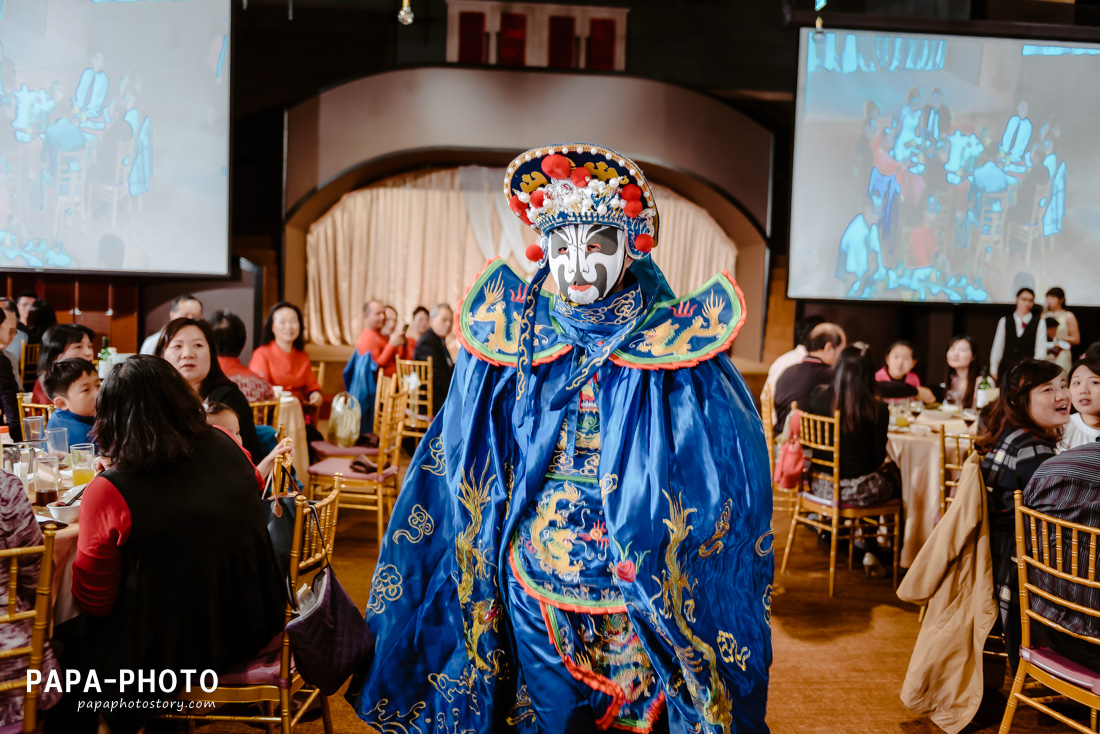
{"points": [[328, 635], [280, 519], [791, 462]]}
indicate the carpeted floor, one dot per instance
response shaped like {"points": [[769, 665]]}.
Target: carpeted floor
{"points": [[838, 663]]}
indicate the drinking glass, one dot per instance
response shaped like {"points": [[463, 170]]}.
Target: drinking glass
{"points": [[34, 428], [11, 459], [969, 415], [57, 441], [916, 408], [47, 475], [83, 461]]}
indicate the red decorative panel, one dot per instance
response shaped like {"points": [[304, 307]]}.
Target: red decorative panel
{"points": [[563, 40], [471, 38], [601, 44], [513, 40]]}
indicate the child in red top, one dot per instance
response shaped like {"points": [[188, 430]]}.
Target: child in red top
{"points": [[899, 365]]}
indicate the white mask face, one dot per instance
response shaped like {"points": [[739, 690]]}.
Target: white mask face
{"points": [[587, 261]]}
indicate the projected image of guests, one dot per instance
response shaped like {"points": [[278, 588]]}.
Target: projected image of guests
{"points": [[939, 168]]}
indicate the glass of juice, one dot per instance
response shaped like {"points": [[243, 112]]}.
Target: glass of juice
{"points": [[83, 461]]}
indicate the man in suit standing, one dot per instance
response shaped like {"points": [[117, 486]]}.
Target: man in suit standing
{"points": [[433, 344]]}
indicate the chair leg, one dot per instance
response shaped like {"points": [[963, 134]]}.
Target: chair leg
{"points": [[920, 616], [284, 706], [381, 510], [897, 547], [851, 542], [832, 554], [790, 534], [326, 714], [1017, 686]]}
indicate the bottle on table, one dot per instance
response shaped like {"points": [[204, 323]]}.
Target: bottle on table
{"points": [[104, 360], [981, 398]]}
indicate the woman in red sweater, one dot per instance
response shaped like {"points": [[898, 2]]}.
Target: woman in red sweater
{"points": [[281, 359]]}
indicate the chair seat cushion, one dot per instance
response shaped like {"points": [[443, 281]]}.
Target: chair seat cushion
{"points": [[1062, 667], [330, 467], [325, 449], [260, 670], [885, 508], [12, 728]]}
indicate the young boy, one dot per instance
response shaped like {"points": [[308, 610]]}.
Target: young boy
{"points": [[222, 416], [73, 385]]}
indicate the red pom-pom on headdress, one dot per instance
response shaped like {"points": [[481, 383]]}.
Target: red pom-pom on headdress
{"points": [[537, 199], [643, 243], [580, 177], [523, 218], [631, 192], [516, 205], [632, 208], [556, 166], [534, 253]]}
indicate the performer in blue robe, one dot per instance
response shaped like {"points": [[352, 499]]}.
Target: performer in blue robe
{"points": [[582, 541]]}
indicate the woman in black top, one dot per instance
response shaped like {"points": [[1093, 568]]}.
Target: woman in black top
{"points": [[867, 477], [174, 567], [189, 345]]}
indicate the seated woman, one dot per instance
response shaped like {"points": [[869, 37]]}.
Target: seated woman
{"points": [[1084, 393], [230, 337], [18, 529], [1020, 432], [281, 358], [188, 345], [63, 341], [174, 568], [963, 374], [867, 476]]}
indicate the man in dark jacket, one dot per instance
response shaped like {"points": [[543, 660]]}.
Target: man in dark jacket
{"points": [[433, 344], [9, 386]]}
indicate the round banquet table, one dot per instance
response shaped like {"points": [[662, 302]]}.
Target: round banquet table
{"points": [[918, 459], [64, 553], [293, 420]]}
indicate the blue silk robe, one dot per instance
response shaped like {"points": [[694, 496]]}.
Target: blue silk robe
{"points": [[686, 500]]}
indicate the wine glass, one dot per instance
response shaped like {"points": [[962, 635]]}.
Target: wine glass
{"points": [[970, 416], [916, 408]]}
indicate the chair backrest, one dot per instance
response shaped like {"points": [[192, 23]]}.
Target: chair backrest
{"points": [[29, 410], [319, 372], [421, 401], [961, 445], [30, 363], [1062, 558], [317, 543], [40, 614], [823, 434], [767, 407], [391, 427], [384, 386], [265, 413]]}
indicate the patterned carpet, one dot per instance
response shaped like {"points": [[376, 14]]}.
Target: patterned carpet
{"points": [[838, 663]]}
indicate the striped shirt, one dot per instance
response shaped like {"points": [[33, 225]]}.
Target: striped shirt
{"points": [[1068, 487]]}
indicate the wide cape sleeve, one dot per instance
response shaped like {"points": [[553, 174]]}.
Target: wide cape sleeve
{"points": [[687, 500]]}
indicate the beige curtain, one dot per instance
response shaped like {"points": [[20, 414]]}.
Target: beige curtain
{"points": [[419, 239]]}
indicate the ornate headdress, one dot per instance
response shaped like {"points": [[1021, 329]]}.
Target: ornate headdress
{"points": [[580, 183]]}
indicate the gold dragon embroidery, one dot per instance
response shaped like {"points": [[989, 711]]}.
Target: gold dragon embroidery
{"points": [[721, 527], [395, 723], [661, 340], [385, 587], [712, 701], [484, 614], [438, 465], [551, 538], [522, 709], [730, 651], [504, 336]]}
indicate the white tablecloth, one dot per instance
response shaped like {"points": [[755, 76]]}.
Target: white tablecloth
{"points": [[918, 458], [292, 418]]}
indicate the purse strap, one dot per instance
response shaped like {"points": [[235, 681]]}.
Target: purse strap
{"points": [[292, 594]]}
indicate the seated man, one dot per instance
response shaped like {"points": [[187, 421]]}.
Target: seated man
{"points": [[1068, 487], [823, 347], [789, 359]]}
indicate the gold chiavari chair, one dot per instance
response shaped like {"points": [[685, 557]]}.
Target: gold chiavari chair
{"points": [[839, 519], [265, 413], [421, 408], [327, 450], [28, 409], [318, 372], [271, 678], [28, 364], [782, 499], [41, 616], [960, 446], [1056, 560], [373, 492]]}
